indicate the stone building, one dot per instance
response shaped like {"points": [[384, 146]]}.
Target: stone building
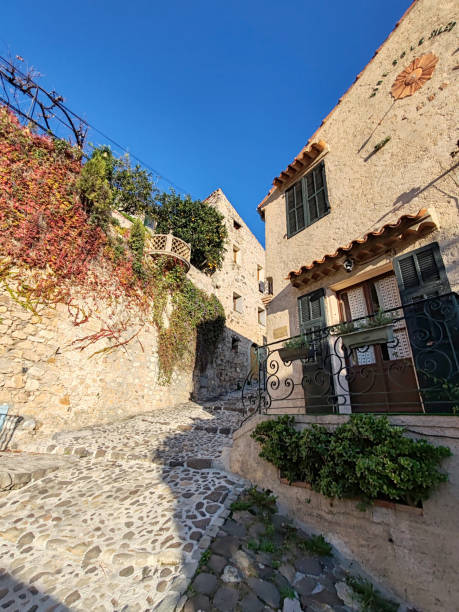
{"points": [[365, 218], [241, 286]]}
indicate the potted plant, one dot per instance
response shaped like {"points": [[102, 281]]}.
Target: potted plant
{"points": [[378, 329], [296, 348]]}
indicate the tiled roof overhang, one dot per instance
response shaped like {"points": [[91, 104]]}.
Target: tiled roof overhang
{"points": [[363, 249], [274, 187], [302, 161]]}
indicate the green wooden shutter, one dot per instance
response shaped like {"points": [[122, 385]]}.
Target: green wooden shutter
{"points": [[421, 274], [311, 311], [434, 337]]}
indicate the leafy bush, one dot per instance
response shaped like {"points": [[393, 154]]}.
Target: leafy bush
{"points": [[133, 188], [137, 244], [280, 444], [365, 458], [197, 223], [95, 191], [298, 342], [192, 308]]}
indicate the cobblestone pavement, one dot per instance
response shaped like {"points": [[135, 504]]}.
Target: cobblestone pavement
{"points": [[123, 526], [259, 562]]}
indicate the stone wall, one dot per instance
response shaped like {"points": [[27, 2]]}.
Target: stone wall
{"points": [[44, 376], [410, 551], [368, 189], [243, 329]]}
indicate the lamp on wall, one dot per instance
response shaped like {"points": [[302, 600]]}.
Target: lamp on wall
{"points": [[348, 264]]}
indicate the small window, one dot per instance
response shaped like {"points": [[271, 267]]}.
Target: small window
{"points": [[307, 200], [236, 224], [235, 344], [237, 302], [236, 254], [259, 273], [269, 285], [261, 316]]}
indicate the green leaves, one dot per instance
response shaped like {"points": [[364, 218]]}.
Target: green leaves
{"points": [[365, 458], [137, 244], [194, 313], [197, 223]]}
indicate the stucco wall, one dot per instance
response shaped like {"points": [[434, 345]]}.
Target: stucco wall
{"points": [[413, 170], [415, 555]]}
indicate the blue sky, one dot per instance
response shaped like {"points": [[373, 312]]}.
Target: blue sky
{"points": [[210, 93]]}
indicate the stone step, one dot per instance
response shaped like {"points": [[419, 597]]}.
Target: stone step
{"points": [[19, 469]]}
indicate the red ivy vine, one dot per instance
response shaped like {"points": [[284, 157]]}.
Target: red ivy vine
{"points": [[50, 252]]}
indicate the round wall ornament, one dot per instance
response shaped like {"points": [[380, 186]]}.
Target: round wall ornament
{"points": [[414, 76]]}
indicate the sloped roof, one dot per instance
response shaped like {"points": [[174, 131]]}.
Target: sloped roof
{"points": [[276, 183], [390, 233]]}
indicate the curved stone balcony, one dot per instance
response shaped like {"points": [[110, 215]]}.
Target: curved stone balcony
{"points": [[168, 245]]}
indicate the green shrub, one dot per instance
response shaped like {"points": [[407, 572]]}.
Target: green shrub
{"points": [[133, 188], [95, 192], [137, 244], [365, 458], [298, 342], [195, 222]]}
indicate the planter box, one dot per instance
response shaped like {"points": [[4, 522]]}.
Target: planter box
{"points": [[369, 336], [292, 354], [381, 503]]}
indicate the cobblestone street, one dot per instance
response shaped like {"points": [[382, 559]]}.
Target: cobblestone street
{"points": [[122, 524]]}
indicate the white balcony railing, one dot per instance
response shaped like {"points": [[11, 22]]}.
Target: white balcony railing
{"points": [[170, 246]]}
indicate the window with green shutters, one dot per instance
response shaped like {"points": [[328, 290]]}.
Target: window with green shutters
{"points": [[421, 273], [307, 200]]}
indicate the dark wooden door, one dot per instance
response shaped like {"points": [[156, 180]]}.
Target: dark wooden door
{"points": [[381, 377], [317, 381]]}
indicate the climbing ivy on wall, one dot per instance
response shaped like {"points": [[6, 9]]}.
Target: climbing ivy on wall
{"points": [[58, 237], [193, 311]]}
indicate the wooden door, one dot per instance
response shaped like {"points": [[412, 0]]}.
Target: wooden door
{"points": [[317, 381], [381, 377]]}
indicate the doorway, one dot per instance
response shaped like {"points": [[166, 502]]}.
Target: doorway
{"points": [[381, 377]]}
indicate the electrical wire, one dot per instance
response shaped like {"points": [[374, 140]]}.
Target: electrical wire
{"points": [[156, 172]]}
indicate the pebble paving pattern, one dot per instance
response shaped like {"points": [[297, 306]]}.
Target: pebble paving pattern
{"points": [[260, 563], [118, 534]]}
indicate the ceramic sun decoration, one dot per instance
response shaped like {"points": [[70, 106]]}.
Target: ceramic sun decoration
{"points": [[414, 76]]}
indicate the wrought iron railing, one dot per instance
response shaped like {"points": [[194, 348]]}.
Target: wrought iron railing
{"points": [[168, 245], [415, 369]]}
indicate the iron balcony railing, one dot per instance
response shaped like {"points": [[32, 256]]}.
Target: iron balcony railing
{"points": [[407, 365]]}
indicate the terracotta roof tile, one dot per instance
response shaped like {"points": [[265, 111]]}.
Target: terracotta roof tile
{"points": [[400, 226]]}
